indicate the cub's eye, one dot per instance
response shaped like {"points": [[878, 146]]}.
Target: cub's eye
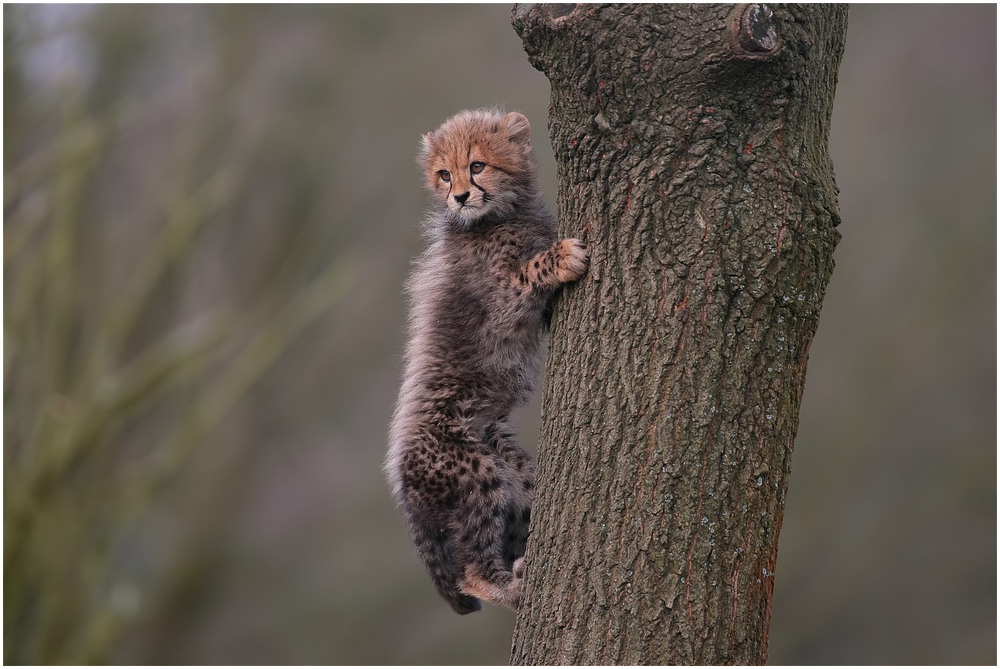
{"points": [[477, 167], [445, 175]]}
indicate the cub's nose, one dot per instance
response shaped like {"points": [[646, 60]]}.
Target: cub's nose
{"points": [[462, 197]]}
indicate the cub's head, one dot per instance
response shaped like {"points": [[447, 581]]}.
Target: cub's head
{"points": [[479, 163]]}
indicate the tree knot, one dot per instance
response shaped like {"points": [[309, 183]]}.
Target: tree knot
{"points": [[754, 32]]}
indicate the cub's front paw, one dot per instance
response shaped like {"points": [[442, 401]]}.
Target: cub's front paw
{"points": [[573, 260]]}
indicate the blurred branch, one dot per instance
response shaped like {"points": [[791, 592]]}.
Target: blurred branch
{"points": [[175, 238], [179, 356], [78, 141], [213, 400], [66, 394], [128, 355]]}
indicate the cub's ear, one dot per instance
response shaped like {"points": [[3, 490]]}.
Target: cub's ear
{"points": [[517, 127], [426, 144]]}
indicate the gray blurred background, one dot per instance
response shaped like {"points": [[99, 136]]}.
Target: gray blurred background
{"points": [[209, 212]]}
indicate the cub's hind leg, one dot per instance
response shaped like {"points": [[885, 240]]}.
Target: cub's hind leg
{"points": [[500, 510], [434, 546], [521, 473], [488, 573], [491, 509], [434, 475]]}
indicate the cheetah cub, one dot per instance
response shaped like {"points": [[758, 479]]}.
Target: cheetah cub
{"points": [[480, 298]]}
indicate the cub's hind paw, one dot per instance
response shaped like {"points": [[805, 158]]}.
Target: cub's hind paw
{"points": [[507, 592], [518, 568], [573, 260]]}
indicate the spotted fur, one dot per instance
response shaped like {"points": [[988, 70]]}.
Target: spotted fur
{"points": [[480, 298]]}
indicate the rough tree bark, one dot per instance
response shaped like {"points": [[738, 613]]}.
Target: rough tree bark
{"points": [[691, 143]]}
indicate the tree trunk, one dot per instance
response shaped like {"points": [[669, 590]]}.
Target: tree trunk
{"points": [[691, 143]]}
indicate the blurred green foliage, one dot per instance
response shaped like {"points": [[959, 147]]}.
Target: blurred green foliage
{"points": [[122, 354], [209, 215]]}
